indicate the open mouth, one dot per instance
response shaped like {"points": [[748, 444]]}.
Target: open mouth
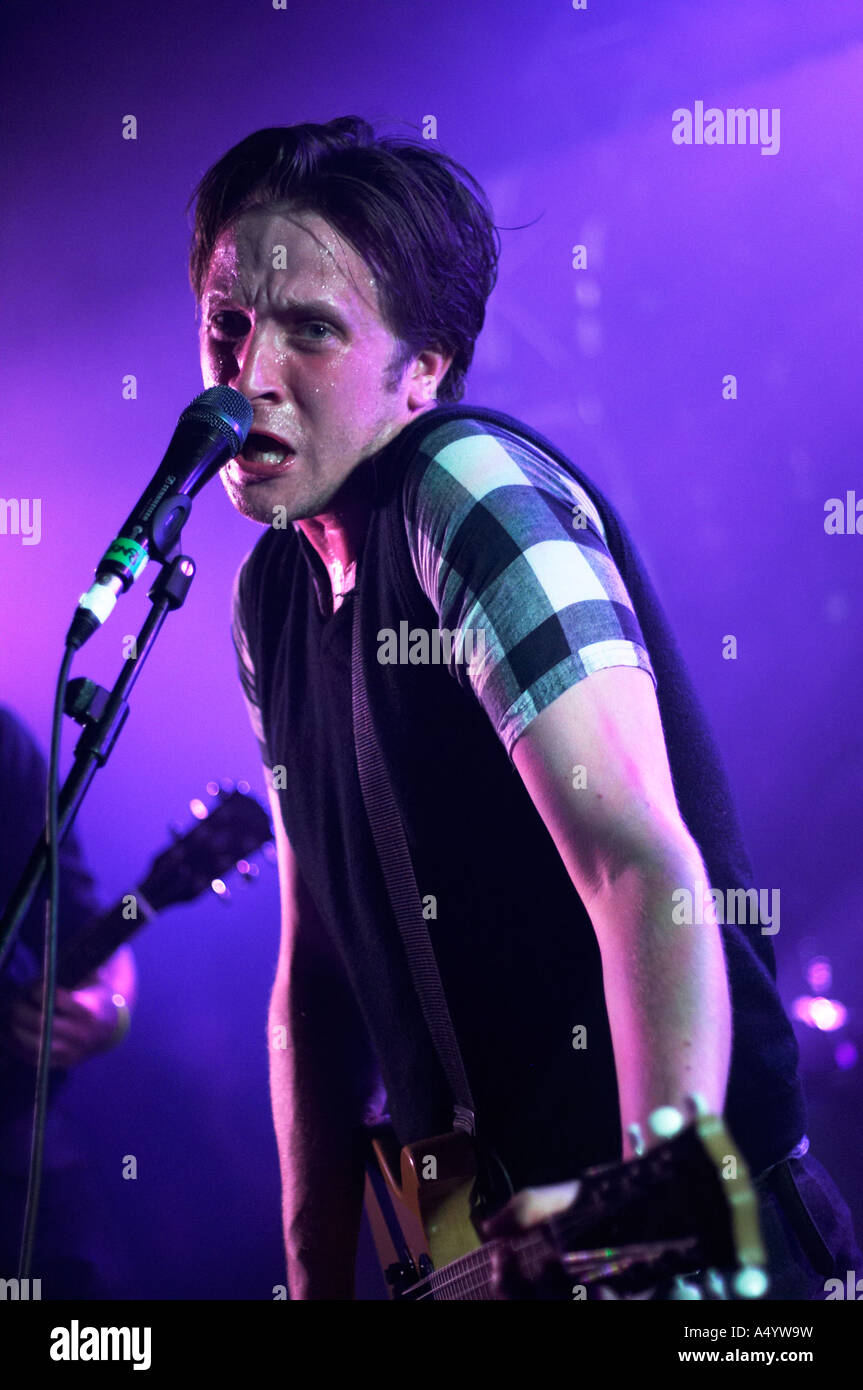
{"points": [[262, 455]]}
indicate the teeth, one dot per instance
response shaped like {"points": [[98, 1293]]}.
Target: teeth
{"points": [[271, 453]]}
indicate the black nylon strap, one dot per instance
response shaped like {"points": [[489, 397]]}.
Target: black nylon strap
{"points": [[402, 889], [781, 1177]]}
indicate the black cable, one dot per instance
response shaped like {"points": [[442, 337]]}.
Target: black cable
{"points": [[49, 975]]}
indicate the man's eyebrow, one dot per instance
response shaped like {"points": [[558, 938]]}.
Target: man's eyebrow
{"points": [[221, 289], [323, 308]]}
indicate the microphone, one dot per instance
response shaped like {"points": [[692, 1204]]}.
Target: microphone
{"points": [[209, 432]]}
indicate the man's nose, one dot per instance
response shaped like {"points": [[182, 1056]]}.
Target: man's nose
{"points": [[260, 365]]}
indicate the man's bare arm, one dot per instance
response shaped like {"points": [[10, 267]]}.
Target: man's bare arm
{"points": [[322, 1078], [627, 850]]}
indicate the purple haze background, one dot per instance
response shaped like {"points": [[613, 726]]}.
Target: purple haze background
{"points": [[702, 261]]}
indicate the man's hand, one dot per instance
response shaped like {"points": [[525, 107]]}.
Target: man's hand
{"points": [[530, 1207], [527, 1208], [87, 1020]]}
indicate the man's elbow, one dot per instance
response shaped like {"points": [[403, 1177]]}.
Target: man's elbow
{"points": [[655, 859]]}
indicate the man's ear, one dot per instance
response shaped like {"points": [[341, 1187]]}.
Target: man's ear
{"points": [[425, 375]]}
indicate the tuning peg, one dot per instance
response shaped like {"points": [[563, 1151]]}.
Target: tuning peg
{"points": [[635, 1133], [665, 1121], [212, 789], [681, 1291], [750, 1282], [221, 889], [696, 1105], [244, 787], [247, 870], [715, 1285], [199, 810], [226, 786], [268, 849]]}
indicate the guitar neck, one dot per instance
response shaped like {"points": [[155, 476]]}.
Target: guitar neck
{"points": [[220, 840], [94, 944], [472, 1275]]}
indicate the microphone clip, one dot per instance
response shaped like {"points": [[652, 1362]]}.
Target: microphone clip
{"points": [[166, 523]]}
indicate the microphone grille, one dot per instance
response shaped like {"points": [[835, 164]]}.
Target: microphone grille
{"points": [[225, 409]]}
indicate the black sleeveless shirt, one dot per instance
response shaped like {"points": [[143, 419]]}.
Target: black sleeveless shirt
{"points": [[515, 946]]}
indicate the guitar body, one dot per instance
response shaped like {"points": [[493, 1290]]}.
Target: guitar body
{"points": [[684, 1207], [426, 1187]]}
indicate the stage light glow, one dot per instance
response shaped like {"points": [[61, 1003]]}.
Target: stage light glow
{"points": [[819, 974], [845, 1055], [817, 1012]]}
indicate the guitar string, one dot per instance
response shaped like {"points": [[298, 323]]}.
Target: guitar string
{"points": [[587, 1265], [470, 1281], [531, 1246], [473, 1268]]}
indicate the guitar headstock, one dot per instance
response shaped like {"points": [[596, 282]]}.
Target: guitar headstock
{"points": [[688, 1203], [228, 829], [686, 1207]]}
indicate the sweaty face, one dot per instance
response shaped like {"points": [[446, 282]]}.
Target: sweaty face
{"points": [[306, 344]]}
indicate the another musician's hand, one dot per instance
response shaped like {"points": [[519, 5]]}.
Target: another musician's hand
{"points": [[85, 1023]]}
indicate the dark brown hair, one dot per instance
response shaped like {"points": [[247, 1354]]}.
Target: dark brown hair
{"points": [[418, 219]]}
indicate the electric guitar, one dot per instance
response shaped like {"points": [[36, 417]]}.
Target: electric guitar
{"points": [[221, 840], [687, 1205]]}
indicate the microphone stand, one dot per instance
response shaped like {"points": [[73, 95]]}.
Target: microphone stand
{"points": [[102, 715]]}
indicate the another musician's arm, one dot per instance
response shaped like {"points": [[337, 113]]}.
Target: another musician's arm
{"points": [[627, 850], [87, 1020], [321, 1078]]}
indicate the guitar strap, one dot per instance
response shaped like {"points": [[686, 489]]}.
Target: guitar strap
{"points": [[493, 1184], [402, 890]]}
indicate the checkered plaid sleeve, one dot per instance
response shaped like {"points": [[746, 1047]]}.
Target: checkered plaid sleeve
{"points": [[512, 554]]}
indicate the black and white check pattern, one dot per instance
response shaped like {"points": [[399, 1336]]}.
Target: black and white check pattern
{"points": [[490, 529]]}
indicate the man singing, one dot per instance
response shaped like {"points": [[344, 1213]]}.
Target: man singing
{"points": [[557, 786]]}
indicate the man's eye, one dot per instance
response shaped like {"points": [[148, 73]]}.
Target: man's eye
{"points": [[232, 325], [316, 324]]}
